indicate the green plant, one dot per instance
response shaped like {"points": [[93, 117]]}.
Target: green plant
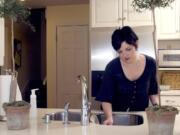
{"points": [[16, 104], [17, 113], [140, 6], [160, 109], [16, 11]]}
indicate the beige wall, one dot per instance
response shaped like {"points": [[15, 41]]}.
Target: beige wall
{"points": [[60, 15], [2, 42], [24, 34]]}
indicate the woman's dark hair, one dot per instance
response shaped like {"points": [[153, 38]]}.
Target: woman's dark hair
{"points": [[124, 34]]}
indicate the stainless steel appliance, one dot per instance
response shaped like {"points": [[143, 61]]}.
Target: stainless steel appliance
{"points": [[169, 58]]}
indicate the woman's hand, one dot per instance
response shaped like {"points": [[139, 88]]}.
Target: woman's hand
{"points": [[154, 99], [108, 121], [107, 107]]}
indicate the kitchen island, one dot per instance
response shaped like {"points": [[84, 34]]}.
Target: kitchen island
{"points": [[39, 127]]}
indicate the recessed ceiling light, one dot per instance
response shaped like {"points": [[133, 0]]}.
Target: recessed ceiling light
{"points": [[22, 0]]}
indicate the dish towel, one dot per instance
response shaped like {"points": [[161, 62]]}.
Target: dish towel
{"points": [[5, 81]]}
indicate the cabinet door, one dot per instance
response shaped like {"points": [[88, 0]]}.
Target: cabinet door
{"points": [[134, 18], [168, 22], [105, 13], [2, 42], [170, 100]]}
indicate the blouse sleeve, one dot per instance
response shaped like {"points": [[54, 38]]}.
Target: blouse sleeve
{"points": [[106, 92], [153, 89]]}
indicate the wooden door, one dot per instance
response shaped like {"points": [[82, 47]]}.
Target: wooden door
{"points": [[72, 60]]}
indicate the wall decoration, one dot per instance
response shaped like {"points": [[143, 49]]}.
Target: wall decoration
{"points": [[17, 53]]}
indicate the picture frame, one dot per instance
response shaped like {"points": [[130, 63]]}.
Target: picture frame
{"points": [[17, 52]]}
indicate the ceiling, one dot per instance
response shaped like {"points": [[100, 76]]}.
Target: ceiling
{"points": [[44, 3]]}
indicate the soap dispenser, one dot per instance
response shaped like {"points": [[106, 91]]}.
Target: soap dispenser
{"points": [[33, 110]]}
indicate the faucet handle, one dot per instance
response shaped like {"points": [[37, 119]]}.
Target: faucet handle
{"points": [[66, 106], [81, 78], [89, 105]]}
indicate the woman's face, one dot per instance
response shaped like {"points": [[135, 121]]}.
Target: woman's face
{"points": [[127, 52]]}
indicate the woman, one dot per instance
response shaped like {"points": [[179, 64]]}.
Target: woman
{"points": [[130, 79]]}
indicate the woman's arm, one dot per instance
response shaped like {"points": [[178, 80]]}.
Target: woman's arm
{"points": [[153, 90], [107, 108], [154, 99]]}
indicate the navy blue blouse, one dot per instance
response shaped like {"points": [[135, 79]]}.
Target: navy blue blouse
{"points": [[123, 93]]}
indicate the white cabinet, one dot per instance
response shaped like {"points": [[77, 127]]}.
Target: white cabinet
{"points": [[171, 97], [2, 41], [117, 13], [105, 13], [170, 100], [133, 18], [168, 21]]}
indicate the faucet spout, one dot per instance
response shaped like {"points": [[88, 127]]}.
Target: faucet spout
{"points": [[81, 79], [85, 108]]}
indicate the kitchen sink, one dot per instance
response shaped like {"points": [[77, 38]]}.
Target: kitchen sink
{"points": [[119, 119], [123, 119], [72, 116]]}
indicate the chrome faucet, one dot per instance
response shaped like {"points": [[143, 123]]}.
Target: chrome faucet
{"points": [[85, 108], [66, 114]]}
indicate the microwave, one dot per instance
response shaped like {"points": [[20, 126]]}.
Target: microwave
{"points": [[169, 58]]}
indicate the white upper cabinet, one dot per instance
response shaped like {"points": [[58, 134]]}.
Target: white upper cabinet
{"points": [[134, 18], [168, 21], [117, 13], [105, 13], [2, 42]]}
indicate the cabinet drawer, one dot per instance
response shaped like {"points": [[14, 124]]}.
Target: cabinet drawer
{"points": [[170, 100]]}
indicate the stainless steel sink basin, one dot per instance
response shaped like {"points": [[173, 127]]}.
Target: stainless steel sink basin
{"points": [[119, 119], [73, 116], [123, 119]]}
